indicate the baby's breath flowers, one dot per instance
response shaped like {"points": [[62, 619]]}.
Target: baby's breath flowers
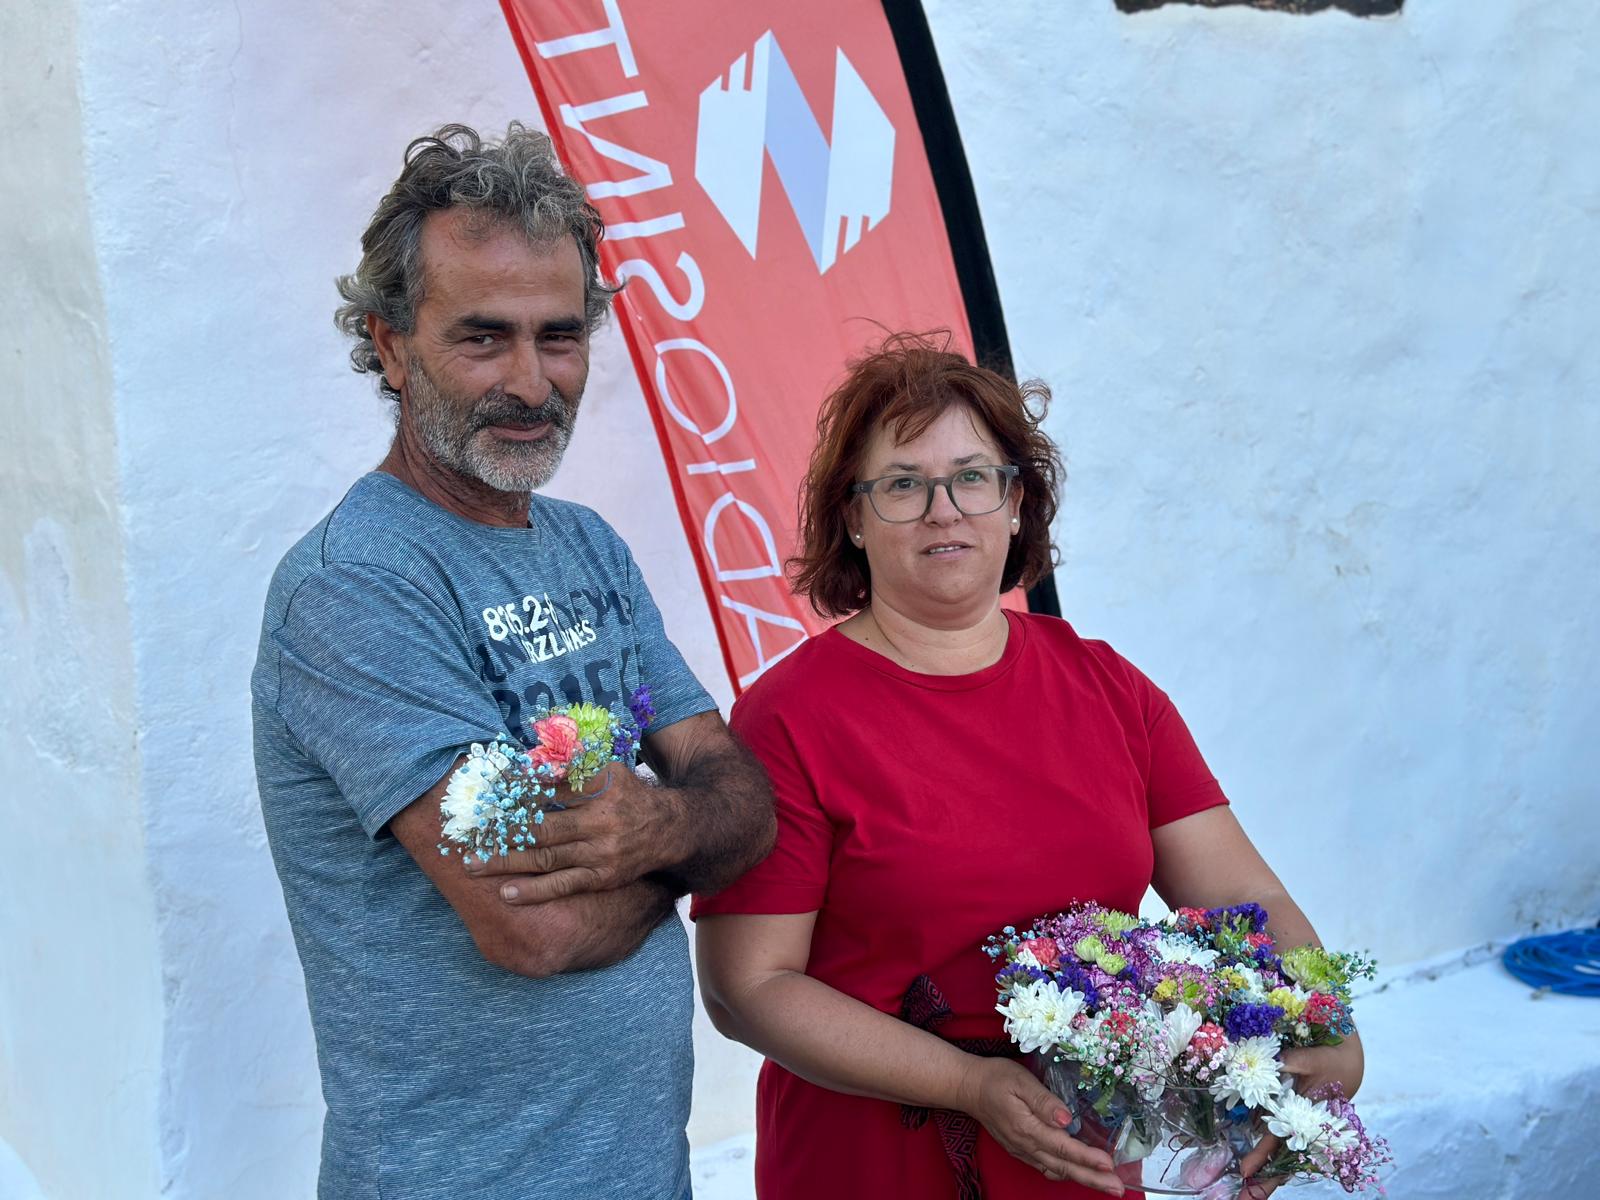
{"points": [[496, 798]]}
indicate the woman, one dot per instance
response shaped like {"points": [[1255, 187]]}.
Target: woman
{"points": [[943, 767]]}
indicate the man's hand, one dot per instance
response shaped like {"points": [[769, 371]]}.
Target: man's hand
{"points": [[579, 933], [1312, 1067], [711, 822], [624, 832]]}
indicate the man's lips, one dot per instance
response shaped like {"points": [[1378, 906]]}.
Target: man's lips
{"points": [[521, 433]]}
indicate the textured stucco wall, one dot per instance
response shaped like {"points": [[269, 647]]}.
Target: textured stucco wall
{"points": [[236, 155], [80, 1000], [1317, 298], [1311, 292]]}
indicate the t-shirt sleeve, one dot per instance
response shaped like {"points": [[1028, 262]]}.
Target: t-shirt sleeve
{"points": [[1178, 782], [675, 693], [376, 682], [794, 877]]}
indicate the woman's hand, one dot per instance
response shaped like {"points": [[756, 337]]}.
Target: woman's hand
{"points": [[1021, 1114], [1312, 1068]]}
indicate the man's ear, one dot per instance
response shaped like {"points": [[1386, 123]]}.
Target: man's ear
{"points": [[390, 345]]}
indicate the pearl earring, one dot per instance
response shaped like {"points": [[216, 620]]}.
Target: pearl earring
{"points": [[1016, 522]]}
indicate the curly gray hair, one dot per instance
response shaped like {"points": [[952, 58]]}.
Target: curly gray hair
{"points": [[517, 179]]}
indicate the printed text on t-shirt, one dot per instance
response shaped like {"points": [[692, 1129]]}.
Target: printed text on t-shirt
{"points": [[537, 628]]}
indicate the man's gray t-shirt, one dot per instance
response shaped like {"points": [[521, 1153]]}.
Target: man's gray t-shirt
{"points": [[397, 634]]}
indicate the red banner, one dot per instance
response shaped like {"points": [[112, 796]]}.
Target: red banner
{"points": [[767, 194]]}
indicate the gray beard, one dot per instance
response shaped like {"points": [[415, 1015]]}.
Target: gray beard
{"points": [[456, 433]]}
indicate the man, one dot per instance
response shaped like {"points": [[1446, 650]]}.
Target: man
{"points": [[520, 1031]]}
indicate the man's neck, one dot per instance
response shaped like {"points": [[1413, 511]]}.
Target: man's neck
{"points": [[471, 498]]}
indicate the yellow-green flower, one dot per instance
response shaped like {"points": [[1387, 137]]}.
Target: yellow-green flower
{"points": [[1232, 977], [1114, 922], [593, 722], [1285, 999], [1313, 969]]}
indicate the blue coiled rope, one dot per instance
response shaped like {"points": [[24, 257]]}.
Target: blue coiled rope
{"points": [[1568, 963]]}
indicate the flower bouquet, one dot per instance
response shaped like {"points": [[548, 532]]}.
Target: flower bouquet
{"points": [[1163, 1039], [497, 797]]}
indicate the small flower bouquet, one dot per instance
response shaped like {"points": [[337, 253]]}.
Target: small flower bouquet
{"points": [[499, 794], [1165, 1039]]}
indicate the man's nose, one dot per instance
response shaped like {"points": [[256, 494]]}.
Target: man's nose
{"points": [[525, 377]]}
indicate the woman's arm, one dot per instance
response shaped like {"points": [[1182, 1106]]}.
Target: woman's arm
{"points": [[756, 991], [1206, 861]]}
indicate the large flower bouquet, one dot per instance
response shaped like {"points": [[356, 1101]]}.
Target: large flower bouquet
{"points": [[497, 797], [1164, 1038]]}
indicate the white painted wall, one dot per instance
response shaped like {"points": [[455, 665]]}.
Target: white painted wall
{"points": [[1311, 293], [80, 998], [1317, 296]]}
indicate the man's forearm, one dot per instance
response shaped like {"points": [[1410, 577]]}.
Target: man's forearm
{"points": [[723, 821], [587, 930]]}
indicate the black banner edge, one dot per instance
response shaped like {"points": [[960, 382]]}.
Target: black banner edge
{"points": [[958, 200]]}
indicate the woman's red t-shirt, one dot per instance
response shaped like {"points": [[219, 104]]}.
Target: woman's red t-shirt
{"points": [[918, 814]]}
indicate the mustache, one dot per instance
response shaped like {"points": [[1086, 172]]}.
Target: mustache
{"points": [[496, 408]]}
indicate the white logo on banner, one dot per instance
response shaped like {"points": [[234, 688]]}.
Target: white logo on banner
{"points": [[838, 187]]}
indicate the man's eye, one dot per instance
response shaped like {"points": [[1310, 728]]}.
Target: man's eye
{"points": [[481, 339]]}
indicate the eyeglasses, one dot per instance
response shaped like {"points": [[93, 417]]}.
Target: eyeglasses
{"points": [[973, 490]]}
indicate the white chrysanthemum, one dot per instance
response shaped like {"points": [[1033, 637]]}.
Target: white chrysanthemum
{"points": [[464, 794], [1039, 1014], [1182, 950], [1180, 1025], [1254, 990], [1026, 958], [1251, 1075], [1303, 1123]]}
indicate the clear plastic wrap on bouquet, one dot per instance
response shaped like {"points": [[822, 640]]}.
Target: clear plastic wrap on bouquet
{"points": [[1184, 1141]]}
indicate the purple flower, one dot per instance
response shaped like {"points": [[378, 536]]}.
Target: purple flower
{"points": [[1071, 975], [1239, 915], [1017, 973], [1251, 1020], [640, 706]]}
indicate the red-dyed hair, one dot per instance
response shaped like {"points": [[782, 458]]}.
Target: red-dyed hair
{"points": [[904, 386]]}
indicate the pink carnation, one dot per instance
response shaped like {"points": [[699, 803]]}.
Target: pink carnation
{"points": [[558, 744], [1045, 950]]}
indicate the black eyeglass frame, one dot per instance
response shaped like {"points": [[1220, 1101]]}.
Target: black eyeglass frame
{"points": [[1009, 471]]}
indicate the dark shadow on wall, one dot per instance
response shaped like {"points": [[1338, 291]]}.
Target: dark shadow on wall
{"points": [[1357, 8]]}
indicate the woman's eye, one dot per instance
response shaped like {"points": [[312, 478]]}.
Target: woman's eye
{"points": [[904, 483], [970, 476]]}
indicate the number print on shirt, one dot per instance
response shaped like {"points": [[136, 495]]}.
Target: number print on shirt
{"points": [[536, 626]]}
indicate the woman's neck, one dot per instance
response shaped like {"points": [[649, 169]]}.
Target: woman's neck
{"points": [[957, 649]]}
